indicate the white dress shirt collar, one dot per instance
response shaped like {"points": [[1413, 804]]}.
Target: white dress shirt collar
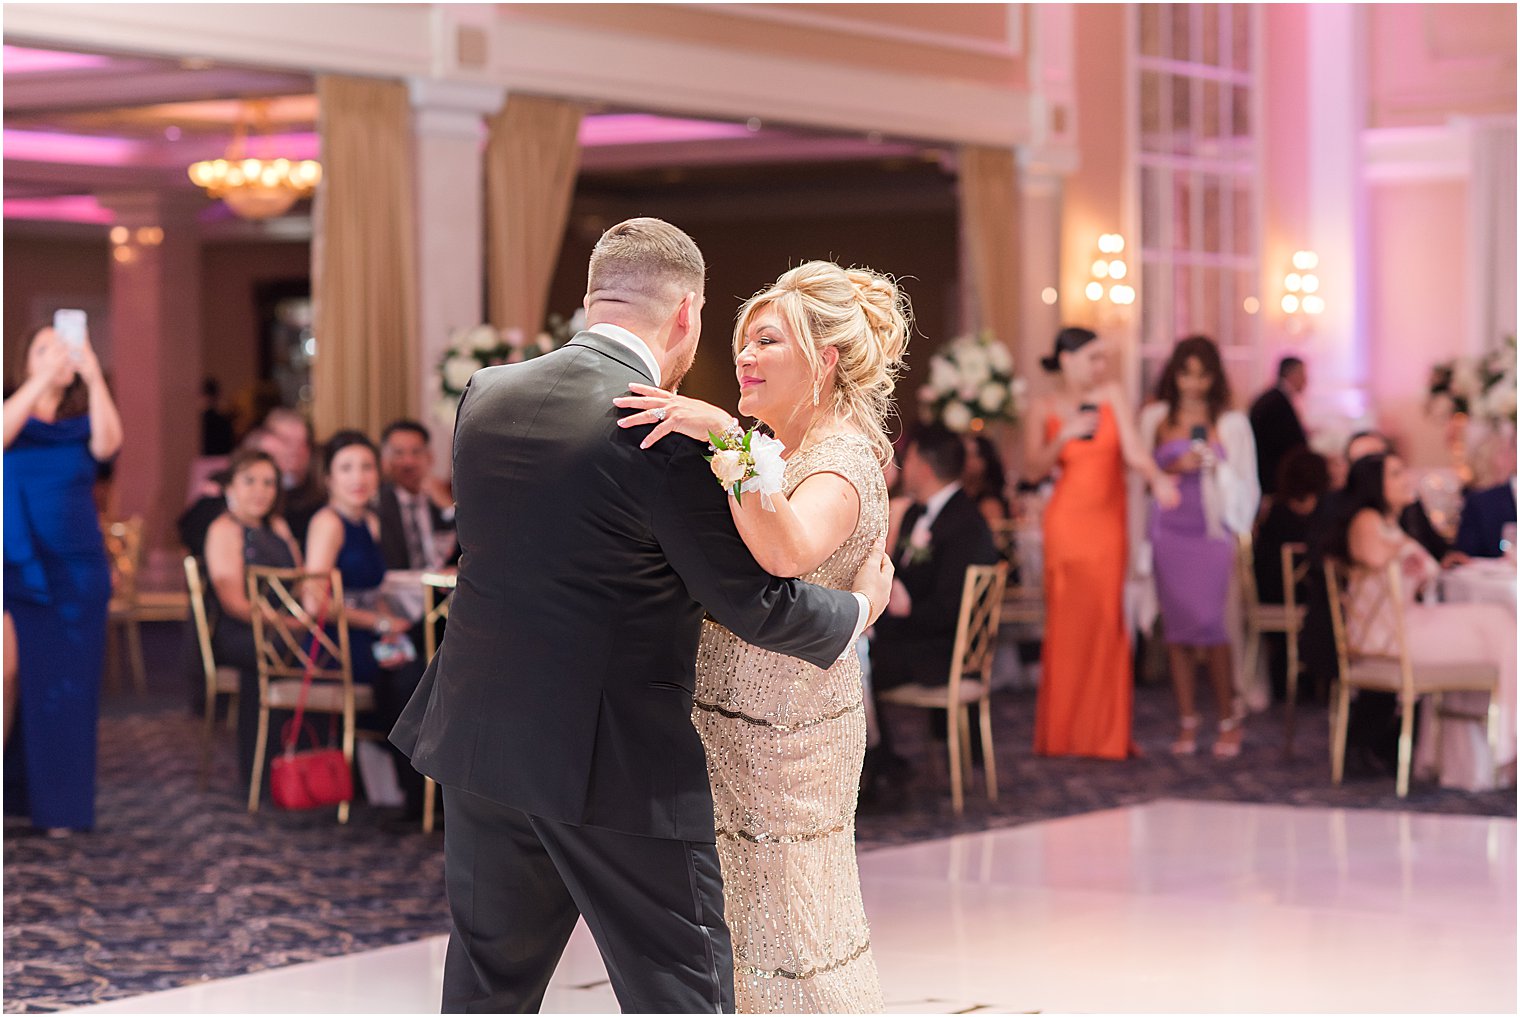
{"points": [[621, 335], [936, 503]]}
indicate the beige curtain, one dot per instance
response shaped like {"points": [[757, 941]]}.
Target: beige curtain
{"points": [[532, 155], [989, 217], [364, 277]]}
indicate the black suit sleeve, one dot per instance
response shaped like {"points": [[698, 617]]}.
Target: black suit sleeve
{"points": [[690, 518], [937, 610]]}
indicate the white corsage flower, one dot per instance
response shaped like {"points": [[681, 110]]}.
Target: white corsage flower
{"points": [[770, 468], [729, 467]]}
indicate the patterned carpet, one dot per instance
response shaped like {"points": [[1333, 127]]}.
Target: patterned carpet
{"points": [[180, 884]]}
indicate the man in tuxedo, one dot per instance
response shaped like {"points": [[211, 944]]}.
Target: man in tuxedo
{"points": [[1275, 423], [416, 509], [942, 533], [556, 714]]}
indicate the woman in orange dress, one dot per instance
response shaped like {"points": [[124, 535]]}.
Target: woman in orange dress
{"points": [[1083, 430]]}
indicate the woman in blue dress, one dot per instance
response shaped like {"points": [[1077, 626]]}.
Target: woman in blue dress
{"points": [[60, 424]]}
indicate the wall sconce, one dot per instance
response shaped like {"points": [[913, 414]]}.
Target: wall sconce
{"points": [[1301, 291], [1108, 272]]}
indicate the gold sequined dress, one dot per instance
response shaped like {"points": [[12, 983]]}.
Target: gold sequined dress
{"points": [[784, 742]]}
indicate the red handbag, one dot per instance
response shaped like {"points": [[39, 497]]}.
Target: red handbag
{"points": [[313, 778]]}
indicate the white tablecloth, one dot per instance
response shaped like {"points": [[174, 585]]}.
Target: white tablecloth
{"points": [[1466, 761]]}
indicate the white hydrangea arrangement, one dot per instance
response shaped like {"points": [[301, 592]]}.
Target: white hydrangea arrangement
{"points": [[971, 384], [1481, 387], [478, 346]]}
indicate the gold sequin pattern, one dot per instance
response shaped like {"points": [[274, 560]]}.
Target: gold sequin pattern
{"points": [[785, 741]]}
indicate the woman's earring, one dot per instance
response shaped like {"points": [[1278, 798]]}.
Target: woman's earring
{"points": [[815, 391]]}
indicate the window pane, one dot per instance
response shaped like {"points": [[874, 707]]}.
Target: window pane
{"points": [[1240, 113], [1212, 218], [1240, 15], [1182, 114], [1182, 31], [1209, 119], [1206, 283], [1182, 303], [1153, 305], [1244, 222], [1182, 212], [1150, 29], [1246, 297], [1152, 208], [1210, 15], [1152, 96]]}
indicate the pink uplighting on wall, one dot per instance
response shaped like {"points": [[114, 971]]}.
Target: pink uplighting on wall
{"points": [[77, 149], [66, 208], [647, 129], [23, 60]]}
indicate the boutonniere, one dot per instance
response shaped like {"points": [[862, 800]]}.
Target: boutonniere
{"points": [[920, 551], [747, 461]]}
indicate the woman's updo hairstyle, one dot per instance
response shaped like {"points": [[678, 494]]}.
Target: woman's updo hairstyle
{"points": [[861, 314], [1068, 340]]}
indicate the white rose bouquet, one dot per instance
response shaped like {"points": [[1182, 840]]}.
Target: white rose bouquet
{"points": [[971, 384], [478, 346]]}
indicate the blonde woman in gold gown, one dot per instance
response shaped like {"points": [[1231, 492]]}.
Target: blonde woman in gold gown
{"points": [[816, 357]]}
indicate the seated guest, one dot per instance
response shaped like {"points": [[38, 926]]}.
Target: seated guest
{"points": [[984, 481], [1275, 422], [248, 532], [416, 509], [1412, 520], [292, 450], [345, 534], [195, 521], [1485, 512], [1302, 482], [1378, 489], [941, 534]]}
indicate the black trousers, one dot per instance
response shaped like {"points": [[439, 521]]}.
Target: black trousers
{"points": [[517, 883]]}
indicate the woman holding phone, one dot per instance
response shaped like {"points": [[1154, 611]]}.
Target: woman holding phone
{"points": [[1208, 447], [59, 425], [1082, 429]]}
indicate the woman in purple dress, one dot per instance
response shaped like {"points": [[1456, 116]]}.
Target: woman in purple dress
{"points": [[60, 424], [1210, 451]]}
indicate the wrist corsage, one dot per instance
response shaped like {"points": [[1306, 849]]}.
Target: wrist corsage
{"points": [[747, 461]]}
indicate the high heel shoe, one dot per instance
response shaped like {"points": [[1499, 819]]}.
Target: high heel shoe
{"points": [[1187, 742], [1229, 749]]}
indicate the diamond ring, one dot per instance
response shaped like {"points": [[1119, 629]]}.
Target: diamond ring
{"points": [[658, 412]]}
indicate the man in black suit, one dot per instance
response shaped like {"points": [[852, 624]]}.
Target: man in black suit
{"points": [[942, 533], [1485, 512], [416, 509], [1275, 423], [556, 715]]}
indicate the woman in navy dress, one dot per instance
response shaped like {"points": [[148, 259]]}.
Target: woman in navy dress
{"points": [[59, 425]]}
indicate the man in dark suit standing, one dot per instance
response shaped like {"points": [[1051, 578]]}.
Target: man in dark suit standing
{"points": [[416, 509], [942, 533], [1275, 423], [556, 714]]}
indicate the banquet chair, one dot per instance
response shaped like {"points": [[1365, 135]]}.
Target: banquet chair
{"points": [[970, 679], [124, 546], [1023, 601], [1286, 618], [287, 640], [437, 588], [220, 681], [1362, 667]]}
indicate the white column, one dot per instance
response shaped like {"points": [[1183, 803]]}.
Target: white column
{"points": [[1338, 207], [156, 337], [449, 142]]}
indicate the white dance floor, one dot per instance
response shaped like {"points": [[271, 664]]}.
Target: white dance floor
{"points": [[1170, 906]]}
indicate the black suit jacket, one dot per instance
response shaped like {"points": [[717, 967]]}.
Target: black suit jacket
{"points": [[393, 531], [1484, 514], [918, 647], [1278, 431], [564, 683]]}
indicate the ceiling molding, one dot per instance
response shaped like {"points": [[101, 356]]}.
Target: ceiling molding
{"points": [[1010, 47]]}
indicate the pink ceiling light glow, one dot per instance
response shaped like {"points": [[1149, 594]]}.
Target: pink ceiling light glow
{"points": [[75, 149], [647, 129], [22, 60], [66, 208]]}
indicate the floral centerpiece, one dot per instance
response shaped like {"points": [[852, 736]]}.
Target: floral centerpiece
{"points": [[971, 384], [470, 349], [1481, 387]]}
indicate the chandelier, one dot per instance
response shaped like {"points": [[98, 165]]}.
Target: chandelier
{"points": [[256, 187]]}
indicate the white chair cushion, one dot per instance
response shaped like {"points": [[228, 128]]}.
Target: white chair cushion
{"points": [[227, 680], [1384, 674], [932, 696], [325, 696]]}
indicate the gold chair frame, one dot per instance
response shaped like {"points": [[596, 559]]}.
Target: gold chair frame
{"points": [[1024, 601], [220, 681], [1397, 673], [436, 587], [970, 679], [123, 541], [1286, 618], [284, 655]]}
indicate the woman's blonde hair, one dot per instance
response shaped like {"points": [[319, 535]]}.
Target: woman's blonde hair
{"points": [[861, 314]]}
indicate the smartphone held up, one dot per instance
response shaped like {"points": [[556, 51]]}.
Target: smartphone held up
{"points": [[71, 325]]}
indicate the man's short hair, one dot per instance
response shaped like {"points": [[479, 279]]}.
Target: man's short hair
{"points": [[942, 449], [646, 264], [1287, 365], [407, 426]]}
